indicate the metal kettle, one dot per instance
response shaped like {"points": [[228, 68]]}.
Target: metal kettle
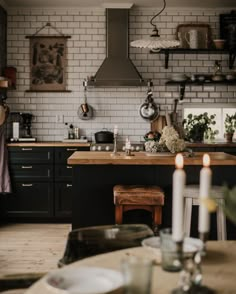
{"points": [[149, 110]]}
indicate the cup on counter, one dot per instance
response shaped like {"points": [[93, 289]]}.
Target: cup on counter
{"points": [[169, 257], [137, 275]]}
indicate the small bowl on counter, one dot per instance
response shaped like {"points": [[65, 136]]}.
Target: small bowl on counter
{"points": [[218, 78], [178, 77], [230, 77]]}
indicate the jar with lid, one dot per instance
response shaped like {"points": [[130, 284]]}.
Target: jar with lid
{"points": [[76, 133]]}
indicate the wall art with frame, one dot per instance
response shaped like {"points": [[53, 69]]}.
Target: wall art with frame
{"points": [[48, 63]]}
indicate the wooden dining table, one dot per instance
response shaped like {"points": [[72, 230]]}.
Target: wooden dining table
{"points": [[218, 267]]}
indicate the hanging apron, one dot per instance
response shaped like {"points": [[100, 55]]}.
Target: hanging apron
{"points": [[5, 185]]}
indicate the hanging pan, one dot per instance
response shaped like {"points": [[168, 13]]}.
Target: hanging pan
{"points": [[149, 110], [85, 111]]}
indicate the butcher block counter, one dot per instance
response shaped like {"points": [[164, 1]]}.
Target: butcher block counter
{"points": [[143, 158], [96, 173], [48, 144]]}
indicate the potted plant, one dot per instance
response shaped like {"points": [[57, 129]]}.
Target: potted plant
{"points": [[196, 125], [168, 142], [230, 125]]}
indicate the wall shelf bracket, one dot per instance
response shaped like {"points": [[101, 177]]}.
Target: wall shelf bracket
{"points": [[231, 59], [181, 91], [166, 58]]}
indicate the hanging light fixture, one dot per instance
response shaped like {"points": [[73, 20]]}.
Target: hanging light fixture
{"points": [[155, 42]]}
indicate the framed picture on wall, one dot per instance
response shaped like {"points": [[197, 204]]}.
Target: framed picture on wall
{"points": [[48, 63]]}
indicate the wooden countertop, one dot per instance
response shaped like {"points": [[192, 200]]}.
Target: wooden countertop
{"points": [[213, 144], [56, 144], [49, 144], [140, 158]]}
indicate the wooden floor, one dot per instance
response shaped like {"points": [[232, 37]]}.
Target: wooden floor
{"points": [[31, 248]]}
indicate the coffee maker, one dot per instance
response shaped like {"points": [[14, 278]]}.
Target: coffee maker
{"points": [[21, 127]]}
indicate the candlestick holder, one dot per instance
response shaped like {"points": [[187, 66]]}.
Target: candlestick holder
{"points": [[115, 153], [191, 275], [203, 237], [128, 152]]}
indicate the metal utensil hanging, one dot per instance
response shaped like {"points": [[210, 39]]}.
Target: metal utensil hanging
{"points": [[85, 111], [149, 110]]}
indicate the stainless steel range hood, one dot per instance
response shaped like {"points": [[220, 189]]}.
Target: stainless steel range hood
{"points": [[117, 69]]}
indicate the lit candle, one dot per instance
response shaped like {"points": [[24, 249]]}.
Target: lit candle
{"points": [[115, 130], [205, 187], [179, 179]]}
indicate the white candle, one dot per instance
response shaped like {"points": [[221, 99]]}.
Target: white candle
{"points": [[115, 130], [179, 179], [205, 187], [127, 144]]}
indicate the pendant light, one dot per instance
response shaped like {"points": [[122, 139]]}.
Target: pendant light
{"points": [[155, 42]]}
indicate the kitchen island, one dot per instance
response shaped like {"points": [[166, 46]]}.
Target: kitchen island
{"points": [[96, 173]]}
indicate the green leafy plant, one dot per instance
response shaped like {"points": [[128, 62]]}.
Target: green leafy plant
{"points": [[229, 205], [230, 123], [196, 125]]}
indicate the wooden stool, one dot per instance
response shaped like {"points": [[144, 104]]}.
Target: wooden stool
{"points": [[191, 197], [150, 198]]}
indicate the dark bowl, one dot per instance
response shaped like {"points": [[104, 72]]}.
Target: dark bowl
{"points": [[91, 241]]}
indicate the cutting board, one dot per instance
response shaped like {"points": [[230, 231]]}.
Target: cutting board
{"points": [[158, 124]]}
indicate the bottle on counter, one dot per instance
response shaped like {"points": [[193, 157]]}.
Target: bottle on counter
{"points": [[71, 134], [76, 133]]}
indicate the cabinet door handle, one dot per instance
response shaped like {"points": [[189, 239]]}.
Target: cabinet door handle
{"points": [[28, 166], [68, 185], [68, 166], [71, 149], [27, 185], [26, 149]]}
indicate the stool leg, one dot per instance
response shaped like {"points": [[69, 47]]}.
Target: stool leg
{"points": [[187, 216], [156, 218], [221, 222], [118, 214]]}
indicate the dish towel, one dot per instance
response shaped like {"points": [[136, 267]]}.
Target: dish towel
{"points": [[5, 184]]}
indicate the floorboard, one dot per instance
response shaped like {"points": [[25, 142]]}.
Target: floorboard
{"points": [[31, 248]]}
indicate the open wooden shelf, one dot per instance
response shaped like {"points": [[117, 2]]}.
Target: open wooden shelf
{"points": [[167, 52]]}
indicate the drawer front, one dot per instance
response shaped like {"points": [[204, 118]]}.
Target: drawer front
{"points": [[30, 155], [63, 199], [30, 199], [63, 153], [31, 171], [63, 172], [230, 150], [202, 149]]}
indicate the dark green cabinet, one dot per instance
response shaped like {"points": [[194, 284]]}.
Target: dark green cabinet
{"points": [[41, 183], [30, 199], [32, 174], [63, 181], [63, 199]]}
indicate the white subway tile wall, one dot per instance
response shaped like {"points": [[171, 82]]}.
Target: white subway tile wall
{"points": [[85, 53]]}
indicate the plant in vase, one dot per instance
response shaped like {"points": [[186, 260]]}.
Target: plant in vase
{"points": [[168, 142], [228, 206], [196, 125], [230, 125]]}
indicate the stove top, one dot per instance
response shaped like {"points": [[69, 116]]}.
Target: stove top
{"points": [[120, 147]]}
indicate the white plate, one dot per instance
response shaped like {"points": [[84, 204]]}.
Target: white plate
{"points": [[159, 154], [190, 244], [85, 280]]}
